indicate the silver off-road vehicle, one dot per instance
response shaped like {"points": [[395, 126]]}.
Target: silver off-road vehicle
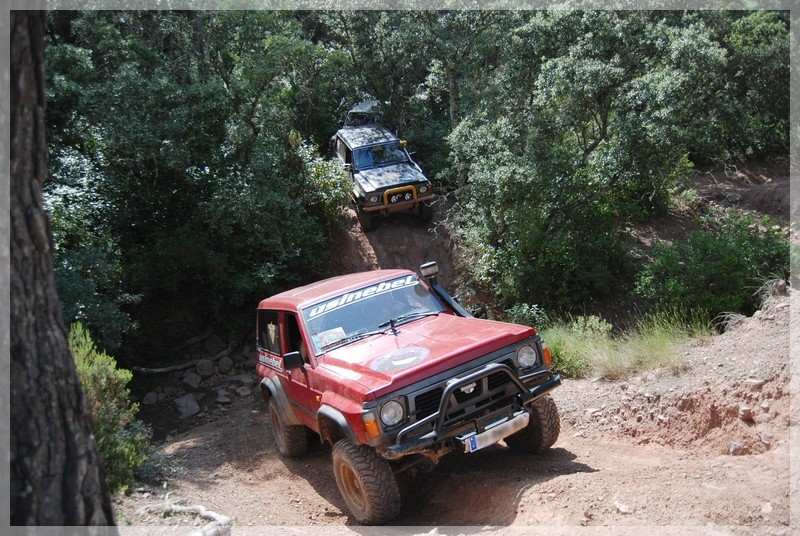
{"points": [[385, 178]]}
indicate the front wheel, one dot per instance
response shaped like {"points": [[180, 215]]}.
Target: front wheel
{"points": [[542, 431], [366, 483], [425, 212], [365, 219]]}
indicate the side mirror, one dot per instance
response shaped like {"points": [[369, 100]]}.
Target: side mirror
{"points": [[429, 268], [293, 361]]}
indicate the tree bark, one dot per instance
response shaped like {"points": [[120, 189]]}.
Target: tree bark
{"points": [[56, 469], [455, 98]]}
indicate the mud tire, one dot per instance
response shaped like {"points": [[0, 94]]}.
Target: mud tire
{"points": [[542, 431], [425, 212], [366, 482], [292, 440]]}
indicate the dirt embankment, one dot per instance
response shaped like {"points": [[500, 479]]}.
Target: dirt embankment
{"points": [[707, 450]]}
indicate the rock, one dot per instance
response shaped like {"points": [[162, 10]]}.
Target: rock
{"points": [[622, 508], [746, 413], [205, 368], [222, 397], [590, 413], [225, 365], [779, 288], [765, 404], [245, 378], [170, 390], [737, 450], [766, 509], [244, 391], [754, 384], [150, 398], [187, 406], [192, 380]]}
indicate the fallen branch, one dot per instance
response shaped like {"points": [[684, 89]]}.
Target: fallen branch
{"points": [[188, 364], [194, 340], [220, 525]]}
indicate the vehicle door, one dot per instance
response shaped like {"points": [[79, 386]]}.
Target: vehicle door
{"points": [[301, 384], [345, 155]]}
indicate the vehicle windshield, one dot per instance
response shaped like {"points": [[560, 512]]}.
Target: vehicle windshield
{"points": [[375, 309], [380, 155]]}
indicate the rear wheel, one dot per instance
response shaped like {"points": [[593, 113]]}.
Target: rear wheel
{"points": [[366, 483], [292, 440], [543, 428]]}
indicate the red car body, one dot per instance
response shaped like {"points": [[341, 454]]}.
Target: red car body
{"points": [[332, 389]]}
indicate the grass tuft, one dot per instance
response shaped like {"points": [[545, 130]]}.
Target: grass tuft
{"points": [[584, 346]]}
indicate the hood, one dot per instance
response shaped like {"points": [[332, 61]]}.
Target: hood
{"points": [[420, 349], [384, 177]]}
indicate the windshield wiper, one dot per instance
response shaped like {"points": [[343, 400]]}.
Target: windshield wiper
{"points": [[392, 322], [352, 338]]}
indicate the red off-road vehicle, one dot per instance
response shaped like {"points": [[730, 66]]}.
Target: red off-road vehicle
{"points": [[390, 371]]}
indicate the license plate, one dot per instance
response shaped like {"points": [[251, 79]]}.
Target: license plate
{"points": [[496, 433]]}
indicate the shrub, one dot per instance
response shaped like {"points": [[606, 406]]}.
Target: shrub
{"points": [[714, 270], [528, 315], [575, 342], [124, 441]]}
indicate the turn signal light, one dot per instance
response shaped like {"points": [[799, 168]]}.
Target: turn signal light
{"points": [[548, 358], [371, 425]]}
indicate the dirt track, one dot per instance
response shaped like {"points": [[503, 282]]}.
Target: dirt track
{"points": [[664, 451], [703, 452]]}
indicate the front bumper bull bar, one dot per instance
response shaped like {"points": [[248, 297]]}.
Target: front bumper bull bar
{"points": [[439, 433]]}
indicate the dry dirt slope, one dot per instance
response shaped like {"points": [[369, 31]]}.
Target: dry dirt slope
{"points": [[707, 451]]}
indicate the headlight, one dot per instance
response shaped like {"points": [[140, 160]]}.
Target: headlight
{"points": [[526, 356], [409, 196], [423, 189], [392, 413], [373, 199]]}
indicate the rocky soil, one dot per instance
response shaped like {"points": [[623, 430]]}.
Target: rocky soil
{"points": [[707, 450]]}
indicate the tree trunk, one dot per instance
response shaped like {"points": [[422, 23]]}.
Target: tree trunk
{"points": [[56, 470], [455, 104]]}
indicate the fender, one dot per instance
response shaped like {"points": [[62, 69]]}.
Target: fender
{"points": [[328, 413], [273, 386]]}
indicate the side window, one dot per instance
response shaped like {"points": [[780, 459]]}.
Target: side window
{"points": [[295, 341], [341, 150], [269, 332]]}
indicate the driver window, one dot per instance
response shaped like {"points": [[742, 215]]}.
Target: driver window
{"points": [[269, 333]]}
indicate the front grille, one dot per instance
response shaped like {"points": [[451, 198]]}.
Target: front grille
{"points": [[490, 392], [427, 403]]}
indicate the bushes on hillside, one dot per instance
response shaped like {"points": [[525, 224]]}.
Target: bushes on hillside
{"points": [[717, 270]]}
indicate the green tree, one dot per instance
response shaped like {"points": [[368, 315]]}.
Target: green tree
{"points": [[757, 107], [585, 129], [173, 145]]}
